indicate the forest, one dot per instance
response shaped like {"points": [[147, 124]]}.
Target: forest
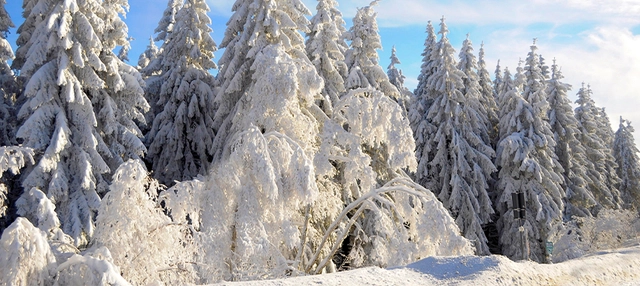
{"points": [[301, 156]]}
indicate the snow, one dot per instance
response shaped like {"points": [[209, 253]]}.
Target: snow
{"points": [[617, 267]]}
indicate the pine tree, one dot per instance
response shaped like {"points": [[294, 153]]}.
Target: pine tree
{"points": [[154, 83], [326, 47], [497, 82], [528, 165], [148, 55], [570, 152], [460, 162], [81, 103], [427, 68], [181, 138], [488, 96], [397, 79], [506, 86], [8, 84], [597, 151], [626, 154], [362, 56]]}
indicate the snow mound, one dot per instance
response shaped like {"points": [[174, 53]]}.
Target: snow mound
{"points": [[618, 267]]}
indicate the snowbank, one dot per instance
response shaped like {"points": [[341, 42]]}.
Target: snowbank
{"points": [[619, 267]]}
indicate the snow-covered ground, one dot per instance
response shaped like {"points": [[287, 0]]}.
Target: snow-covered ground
{"points": [[617, 267]]}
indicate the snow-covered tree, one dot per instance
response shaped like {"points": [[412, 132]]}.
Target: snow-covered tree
{"points": [[365, 147], [181, 138], [150, 54], [497, 83], [326, 47], [25, 255], [140, 237], [422, 101], [12, 160], [362, 56], [528, 165], [80, 105], [459, 162], [158, 65], [488, 96], [598, 153], [571, 154], [8, 84], [397, 79], [626, 154]]}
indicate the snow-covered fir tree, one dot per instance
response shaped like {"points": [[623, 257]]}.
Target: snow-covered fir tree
{"points": [[605, 132], [150, 54], [528, 165], [397, 79], [81, 103], [362, 56], [181, 138], [507, 85], [459, 162], [326, 47], [571, 154], [8, 84], [422, 100], [26, 29], [626, 155], [488, 96], [497, 82], [156, 66], [12, 160], [598, 153]]}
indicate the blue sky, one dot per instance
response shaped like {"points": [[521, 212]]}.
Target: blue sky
{"points": [[594, 41]]}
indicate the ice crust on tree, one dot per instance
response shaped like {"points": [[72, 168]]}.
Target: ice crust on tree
{"points": [[181, 138], [626, 154], [81, 101], [528, 164], [571, 154]]}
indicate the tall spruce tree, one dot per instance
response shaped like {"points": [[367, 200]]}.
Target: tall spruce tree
{"points": [[397, 79], [326, 47], [81, 103], [181, 138], [528, 165], [598, 153], [626, 154], [488, 97], [150, 54], [8, 84], [570, 152], [461, 163]]}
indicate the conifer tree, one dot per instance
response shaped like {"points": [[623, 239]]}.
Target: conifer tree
{"points": [[497, 82], [326, 47], [598, 153], [150, 54], [626, 154], [397, 79], [528, 165], [8, 82], [570, 152], [181, 138], [488, 97], [506, 86], [423, 99], [362, 56], [461, 163], [81, 103]]}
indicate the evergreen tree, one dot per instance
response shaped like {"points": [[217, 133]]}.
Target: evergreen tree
{"points": [[31, 19], [8, 82], [488, 96], [528, 165], [397, 79], [570, 152], [598, 153], [81, 101], [148, 55], [362, 56], [181, 138], [461, 166], [326, 47], [424, 96], [626, 154], [497, 82]]}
